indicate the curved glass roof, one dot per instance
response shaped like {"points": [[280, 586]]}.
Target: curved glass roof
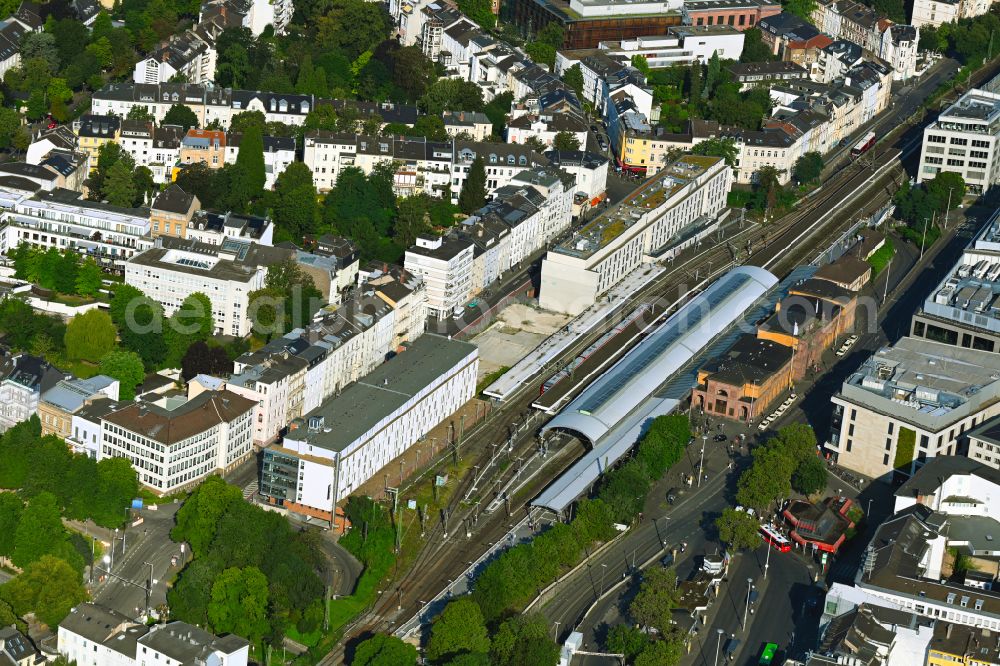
{"points": [[638, 374]]}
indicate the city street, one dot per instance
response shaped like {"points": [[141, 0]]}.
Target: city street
{"points": [[140, 552]]}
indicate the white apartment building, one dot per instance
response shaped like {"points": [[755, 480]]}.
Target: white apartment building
{"points": [[589, 169], [279, 152], [911, 402], [174, 442], [682, 45], [156, 148], [11, 33], [186, 55], [444, 263], [963, 140], [174, 269], [23, 378], [336, 448], [545, 126], [474, 125], [93, 635], [936, 12], [686, 195], [293, 374], [62, 219]]}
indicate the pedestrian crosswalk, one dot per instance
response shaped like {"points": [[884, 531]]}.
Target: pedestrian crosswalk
{"points": [[250, 490]]}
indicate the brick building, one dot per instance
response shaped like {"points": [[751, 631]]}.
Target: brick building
{"points": [[740, 14], [743, 382]]}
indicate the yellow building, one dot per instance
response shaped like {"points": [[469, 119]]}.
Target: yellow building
{"points": [[171, 212], [959, 644], [95, 131]]}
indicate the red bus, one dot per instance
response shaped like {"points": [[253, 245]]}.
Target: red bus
{"points": [[774, 538], [866, 142]]}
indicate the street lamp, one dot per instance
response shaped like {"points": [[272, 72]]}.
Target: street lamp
{"points": [[718, 644], [701, 465], [604, 570], [747, 610]]}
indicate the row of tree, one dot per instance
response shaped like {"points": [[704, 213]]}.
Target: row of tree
{"points": [[652, 608], [63, 271], [921, 207], [252, 574]]}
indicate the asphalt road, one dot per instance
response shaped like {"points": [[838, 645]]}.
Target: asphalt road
{"points": [[144, 545]]}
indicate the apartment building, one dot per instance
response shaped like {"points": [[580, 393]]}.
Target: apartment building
{"points": [[279, 152], [11, 33], [58, 404], [546, 126], [679, 202], [752, 74], [205, 146], [23, 379], [216, 228], [156, 148], [111, 235], [174, 442], [954, 644], [911, 402], [964, 310], [590, 171], [471, 125], [963, 140], [334, 449], [185, 55], [738, 14], [93, 635], [171, 212], [292, 375], [173, 269], [444, 263], [45, 140], [93, 131], [877, 35], [402, 291]]}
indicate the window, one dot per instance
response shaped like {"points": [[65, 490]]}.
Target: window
{"points": [[854, 414], [956, 141], [936, 139], [848, 446], [885, 459], [888, 443], [965, 601], [956, 163]]}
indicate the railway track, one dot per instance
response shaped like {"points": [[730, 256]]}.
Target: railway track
{"points": [[777, 246]]}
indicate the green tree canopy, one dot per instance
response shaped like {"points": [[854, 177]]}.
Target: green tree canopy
{"points": [[808, 167], [566, 141], [248, 174], [658, 596], [239, 603], [451, 95], [127, 367], [179, 114], [473, 194], [718, 147], [738, 529], [90, 336], [89, 278], [460, 628], [384, 650], [296, 206], [48, 587], [810, 476], [39, 532]]}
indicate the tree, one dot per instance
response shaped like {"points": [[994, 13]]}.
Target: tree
{"points": [[480, 11], [524, 640], [535, 144], [116, 485], [641, 63], [451, 95], [459, 629], [946, 187], [119, 189], [11, 508], [810, 476], [145, 186], [808, 167], [566, 141], [543, 48], [89, 278], [412, 71], [431, 127], [10, 125], [200, 358], [204, 182], [296, 207], [288, 300], [244, 120], [90, 336], [248, 174], [39, 532], [768, 186], [738, 529], [352, 27], [239, 603], [573, 77], [198, 517], [803, 8], [179, 114], [754, 48], [49, 588], [661, 653], [718, 147], [40, 45], [127, 367], [384, 650], [627, 640], [412, 219], [657, 597], [473, 195]]}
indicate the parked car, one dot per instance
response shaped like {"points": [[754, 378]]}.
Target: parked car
{"points": [[720, 438]]}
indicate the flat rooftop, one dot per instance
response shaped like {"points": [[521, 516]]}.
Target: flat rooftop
{"points": [[655, 192], [927, 377], [363, 404]]}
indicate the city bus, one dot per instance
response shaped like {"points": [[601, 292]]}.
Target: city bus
{"points": [[767, 655], [866, 142], [774, 538]]}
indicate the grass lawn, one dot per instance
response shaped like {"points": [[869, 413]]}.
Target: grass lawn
{"points": [[882, 257]]}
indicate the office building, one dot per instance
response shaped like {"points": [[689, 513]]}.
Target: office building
{"points": [[964, 309], [334, 449], [174, 442], [911, 402], [739, 14], [585, 23], [669, 210], [963, 140], [744, 381]]}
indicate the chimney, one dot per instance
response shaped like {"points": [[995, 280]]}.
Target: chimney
{"points": [[795, 329], [947, 633]]}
